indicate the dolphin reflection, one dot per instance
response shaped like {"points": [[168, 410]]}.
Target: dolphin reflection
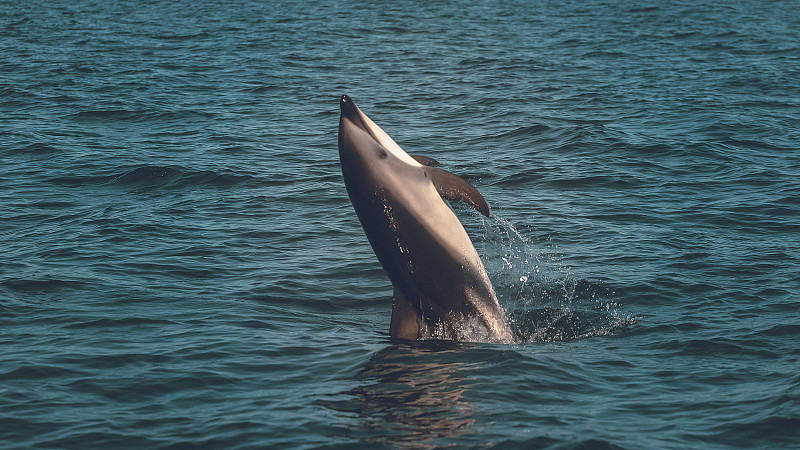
{"points": [[410, 396]]}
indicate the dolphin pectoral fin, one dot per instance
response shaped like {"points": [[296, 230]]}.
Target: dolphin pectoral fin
{"points": [[453, 187], [406, 322], [425, 160]]}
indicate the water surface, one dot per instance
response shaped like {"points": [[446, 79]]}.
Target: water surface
{"points": [[181, 265]]}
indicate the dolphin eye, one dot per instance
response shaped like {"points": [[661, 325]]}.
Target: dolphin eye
{"points": [[382, 154]]}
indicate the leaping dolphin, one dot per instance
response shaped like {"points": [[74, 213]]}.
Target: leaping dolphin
{"points": [[441, 289]]}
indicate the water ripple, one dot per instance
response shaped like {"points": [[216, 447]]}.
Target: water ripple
{"points": [[181, 265]]}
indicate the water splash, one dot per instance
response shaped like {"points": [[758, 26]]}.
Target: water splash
{"points": [[544, 300]]}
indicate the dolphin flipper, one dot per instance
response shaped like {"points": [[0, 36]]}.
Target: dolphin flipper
{"points": [[425, 160], [452, 187]]}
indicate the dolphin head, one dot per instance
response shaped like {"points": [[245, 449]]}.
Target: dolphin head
{"points": [[364, 145], [373, 165]]}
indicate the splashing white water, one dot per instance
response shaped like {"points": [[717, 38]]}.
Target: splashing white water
{"points": [[543, 299]]}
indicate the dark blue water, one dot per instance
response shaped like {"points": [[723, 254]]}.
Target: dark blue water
{"points": [[181, 265]]}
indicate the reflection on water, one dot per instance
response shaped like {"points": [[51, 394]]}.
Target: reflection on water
{"points": [[409, 396]]}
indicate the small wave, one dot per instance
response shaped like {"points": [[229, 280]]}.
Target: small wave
{"points": [[211, 178], [52, 205], [569, 42], [116, 323], [783, 330], [148, 176], [522, 177], [17, 23], [591, 182], [641, 9], [685, 34], [37, 148], [776, 430], [260, 88], [717, 347], [605, 54], [524, 131], [127, 115], [117, 114], [152, 176], [40, 285], [181, 37], [30, 371], [477, 62], [77, 181]]}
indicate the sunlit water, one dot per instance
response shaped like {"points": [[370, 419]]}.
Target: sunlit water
{"points": [[181, 265]]}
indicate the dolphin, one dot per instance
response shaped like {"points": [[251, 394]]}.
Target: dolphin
{"points": [[441, 289]]}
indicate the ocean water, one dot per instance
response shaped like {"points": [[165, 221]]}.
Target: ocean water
{"points": [[181, 266]]}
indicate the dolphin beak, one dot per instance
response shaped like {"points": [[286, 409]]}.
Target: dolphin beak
{"points": [[348, 106], [351, 112]]}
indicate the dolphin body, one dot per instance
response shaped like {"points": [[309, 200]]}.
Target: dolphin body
{"points": [[441, 289]]}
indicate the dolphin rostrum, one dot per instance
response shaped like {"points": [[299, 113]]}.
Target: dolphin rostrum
{"points": [[441, 289]]}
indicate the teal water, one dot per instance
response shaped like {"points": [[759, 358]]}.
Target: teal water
{"points": [[181, 265]]}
